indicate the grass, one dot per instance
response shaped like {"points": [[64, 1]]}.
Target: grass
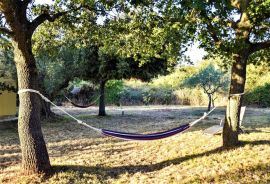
{"points": [[79, 155]]}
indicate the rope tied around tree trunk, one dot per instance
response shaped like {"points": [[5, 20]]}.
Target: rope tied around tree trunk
{"points": [[49, 101], [237, 94]]}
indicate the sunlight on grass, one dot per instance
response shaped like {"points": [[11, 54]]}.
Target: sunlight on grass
{"points": [[82, 156]]}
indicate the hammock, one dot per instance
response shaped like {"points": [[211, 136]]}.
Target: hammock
{"points": [[124, 135], [82, 106], [145, 137]]}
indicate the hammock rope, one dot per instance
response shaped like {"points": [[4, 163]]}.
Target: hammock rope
{"points": [[124, 135], [82, 106], [59, 108]]}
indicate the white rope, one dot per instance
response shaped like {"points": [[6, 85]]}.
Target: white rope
{"points": [[89, 126], [201, 118], [49, 101], [237, 94]]}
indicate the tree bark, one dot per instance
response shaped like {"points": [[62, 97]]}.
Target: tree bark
{"points": [[46, 111], [237, 86], [213, 100], [102, 111], [35, 157]]}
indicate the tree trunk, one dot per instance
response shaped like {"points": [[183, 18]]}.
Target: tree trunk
{"points": [[46, 111], [35, 157], [209, 102], [213, 100], [102, 111], [237, 86]]}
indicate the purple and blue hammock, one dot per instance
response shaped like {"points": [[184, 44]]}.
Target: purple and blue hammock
{"points": [[152, 136], [124, 135], [145, 137]]}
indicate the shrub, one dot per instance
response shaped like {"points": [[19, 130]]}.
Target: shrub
{"points": [[131, 96], [113, 91], [193, 96], [158, 96], [260, 96]]}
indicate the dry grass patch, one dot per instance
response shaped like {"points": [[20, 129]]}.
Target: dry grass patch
{"points": [[79, 155]]}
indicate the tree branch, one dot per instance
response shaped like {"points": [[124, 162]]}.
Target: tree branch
{"points": [[51, 18], [259, 46], [43, 17], [211, 28], [232, 24], [25, 3]]}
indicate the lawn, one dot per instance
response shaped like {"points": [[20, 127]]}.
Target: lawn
{"points": [[79, 155]]}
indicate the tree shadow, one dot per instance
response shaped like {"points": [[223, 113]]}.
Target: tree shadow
{"points": [[248, 131], [11, 126], [10, 160], [115, 172], [236, 175]]}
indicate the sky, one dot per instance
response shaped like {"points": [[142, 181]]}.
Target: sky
{"points": [[194, 53]]}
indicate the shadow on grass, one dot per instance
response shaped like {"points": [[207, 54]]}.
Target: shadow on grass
{"points": [[11, 126], [239, 176], [115, 172], [8, 161]]}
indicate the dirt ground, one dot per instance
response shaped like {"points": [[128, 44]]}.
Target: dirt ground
{"points": [[73, 145], [154, 118]]}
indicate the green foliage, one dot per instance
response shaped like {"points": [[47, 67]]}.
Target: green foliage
{"points": [[194, 96], [7, 67], [131, 96], [143, 33], [175, 79], [258, 81], [259, 96], [114, 89], [210, 79], [165, 90], [257, 75], [154, 95]]}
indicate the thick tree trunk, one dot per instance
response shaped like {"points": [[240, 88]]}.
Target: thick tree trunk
{"points": [[237, 86], [46, 111], [35, 157], [102, 111], [209, 102]]}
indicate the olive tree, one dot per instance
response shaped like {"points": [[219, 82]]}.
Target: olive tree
{"points": [[211, 80]]}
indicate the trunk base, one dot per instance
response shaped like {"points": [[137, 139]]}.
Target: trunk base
{"points": [[231, 125]]}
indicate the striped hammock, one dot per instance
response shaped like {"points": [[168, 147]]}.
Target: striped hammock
{"points": [[145, 137]]}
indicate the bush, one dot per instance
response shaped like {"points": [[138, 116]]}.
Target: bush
{"points": [[131, 96], [158, 96], [193, 96], [114, 89], [260, 96]]}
